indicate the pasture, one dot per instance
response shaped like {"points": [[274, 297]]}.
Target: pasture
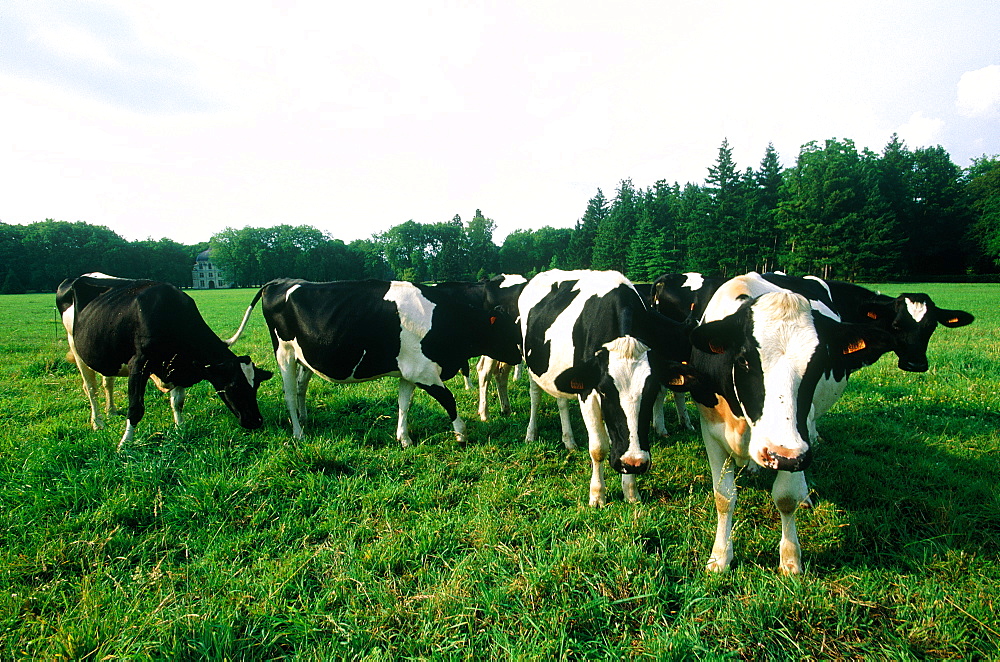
{"points": [[213, 542]]}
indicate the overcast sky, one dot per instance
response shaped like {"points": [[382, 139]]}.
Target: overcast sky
{"points": [[180, 118]]}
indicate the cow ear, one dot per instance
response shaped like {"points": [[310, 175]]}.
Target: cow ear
{"points": [[876, 311], [954, 318], [583, 377], [717, 337], [261, 375], [853, 345], [680, 376]]}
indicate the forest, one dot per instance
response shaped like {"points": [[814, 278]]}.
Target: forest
{"points": [[838, 212]]}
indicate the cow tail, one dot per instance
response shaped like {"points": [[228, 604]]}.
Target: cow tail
{"points": [[246, 318]]}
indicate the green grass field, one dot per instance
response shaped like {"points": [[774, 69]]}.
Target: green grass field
{"points": [[213, 542]]}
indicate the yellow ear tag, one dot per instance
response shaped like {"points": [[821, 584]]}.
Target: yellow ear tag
{"points": [[716, 349], [677, 381], [872, 315], [855, 346], [576, 385], [953, 320]]}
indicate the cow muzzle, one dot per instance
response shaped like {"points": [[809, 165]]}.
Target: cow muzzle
{"points": [[634, 462], [783, 459], [912, 366]]}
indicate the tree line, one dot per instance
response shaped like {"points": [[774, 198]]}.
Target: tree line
{"points": [[838, 212]]}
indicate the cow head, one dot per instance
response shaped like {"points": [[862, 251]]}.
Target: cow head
{"points": [[911, 319], [622, 375], [771, 354], [502, 291], [497, 336], [236, 381]]}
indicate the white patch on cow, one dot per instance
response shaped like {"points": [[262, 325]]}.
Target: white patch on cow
{"points": [[248, 372], [628, 367], [415, 315], [291, 289], [823, 283], [917, 309], [787, 341], [67, 319], [510, 280], [694, 281]]}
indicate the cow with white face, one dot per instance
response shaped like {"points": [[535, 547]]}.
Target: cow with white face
{"points": [[588, 334], [773, 362], [356, 331]]}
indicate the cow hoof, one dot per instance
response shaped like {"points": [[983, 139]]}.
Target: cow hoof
{"points": [[663, 432], [570, 445], [791, 568], [717, 566]]}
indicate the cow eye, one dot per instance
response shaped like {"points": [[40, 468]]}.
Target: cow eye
{"points": [[742, 362]]}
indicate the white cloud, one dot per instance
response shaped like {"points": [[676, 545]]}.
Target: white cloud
{"points": [[921, 131], [979, 92]]}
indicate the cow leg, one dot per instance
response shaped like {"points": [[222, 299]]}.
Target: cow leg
{"points": [[658, 423], [301, 385], [503, 377], [177, 404], [484, 370], [289, 368], [90, 390], [788, 492], [402, 427], [109, 395], [535, 395], [444, 397], [724, 487], [599, 445], [680, 404], [564, 422], [138, 376]]}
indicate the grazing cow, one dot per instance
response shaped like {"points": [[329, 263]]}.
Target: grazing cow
{"points": [[588, 334], [152, 329], [355, 331], [773, 362], [682, 298], [909, 318]]}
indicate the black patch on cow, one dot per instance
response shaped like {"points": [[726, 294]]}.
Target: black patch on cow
{"points": [[346, 330], [444, 397]]}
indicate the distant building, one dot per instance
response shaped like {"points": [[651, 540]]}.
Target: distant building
{"points": [[205, 275]]}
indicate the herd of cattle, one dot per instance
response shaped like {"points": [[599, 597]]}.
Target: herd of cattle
{"points": [[763, 356]]}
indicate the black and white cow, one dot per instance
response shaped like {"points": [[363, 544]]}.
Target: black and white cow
{"points": [[910, 319], [152, 328], [682, 297], [588, 334], [355, 331], [772, 363]]}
